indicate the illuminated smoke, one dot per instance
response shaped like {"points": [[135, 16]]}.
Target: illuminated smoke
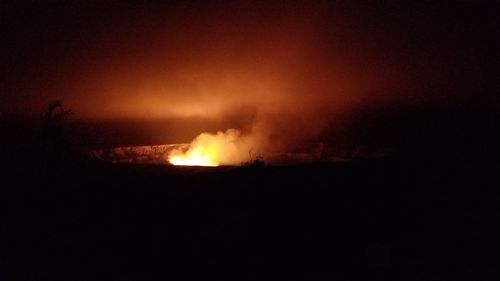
{"points": [[277, 62], [222, 148]]}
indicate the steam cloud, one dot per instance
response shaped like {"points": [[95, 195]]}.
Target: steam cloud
{"points": [[278, 71], [285, 70], [222, 148], [271, 70]]}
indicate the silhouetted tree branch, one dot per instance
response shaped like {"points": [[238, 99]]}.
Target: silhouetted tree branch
{"points": [[51, 130]]}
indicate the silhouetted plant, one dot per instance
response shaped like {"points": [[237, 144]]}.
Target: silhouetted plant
{"points": [[52, 142], [54, 114], [257, 162]]}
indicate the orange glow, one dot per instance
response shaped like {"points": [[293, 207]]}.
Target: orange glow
{"points": [[223, 148]]}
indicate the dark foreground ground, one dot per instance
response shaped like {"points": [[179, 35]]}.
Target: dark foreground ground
{"points": [[383, 220]]}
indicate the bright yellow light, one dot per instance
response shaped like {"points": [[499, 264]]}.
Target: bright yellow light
{"points": [[222, 148], [196, 156]]}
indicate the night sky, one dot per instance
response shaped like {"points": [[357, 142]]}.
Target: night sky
{"points": [[289, 66], [355, 140]]}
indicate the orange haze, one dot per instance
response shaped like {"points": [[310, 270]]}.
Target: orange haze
{"points": [[284, 70], [277, 65]]}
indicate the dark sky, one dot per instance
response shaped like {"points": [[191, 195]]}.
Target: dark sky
{"points": [[280, 62], [141, 58]]}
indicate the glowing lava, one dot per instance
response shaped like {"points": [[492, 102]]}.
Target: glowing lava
{"points": [[195, 156], [223, 148]]}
